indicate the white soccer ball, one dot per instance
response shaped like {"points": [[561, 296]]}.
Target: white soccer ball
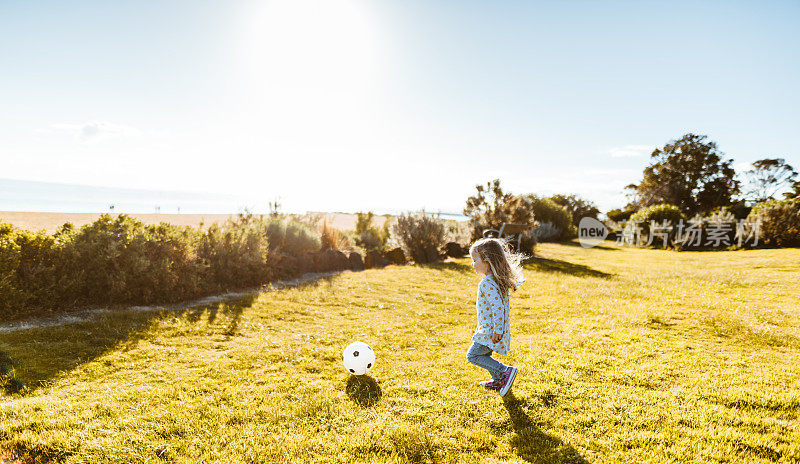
{"points": [[358, 358]]}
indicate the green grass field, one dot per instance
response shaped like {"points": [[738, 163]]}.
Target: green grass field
{"points": [[625, 356]]}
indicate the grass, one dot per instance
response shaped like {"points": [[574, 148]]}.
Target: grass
{"points": [[625, 355]]}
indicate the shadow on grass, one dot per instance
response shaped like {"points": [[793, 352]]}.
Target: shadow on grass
{"points": [[564, 267], [363, 390], [8, 379], [531, 443], [447, 266], [576, 243], [34, 357]]}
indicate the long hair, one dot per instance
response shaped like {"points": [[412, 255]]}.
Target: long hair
{"points": [[505, 264]]}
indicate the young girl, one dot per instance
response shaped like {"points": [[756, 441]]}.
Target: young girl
{"points": [[502, 272]]}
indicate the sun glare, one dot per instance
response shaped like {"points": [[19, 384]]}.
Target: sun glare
{"points": [[305, 52]]}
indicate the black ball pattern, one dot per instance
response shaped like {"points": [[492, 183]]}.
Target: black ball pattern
{"points": [[355, 354]]}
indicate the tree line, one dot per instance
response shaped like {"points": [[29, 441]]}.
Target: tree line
{"points": [[692, 174]]}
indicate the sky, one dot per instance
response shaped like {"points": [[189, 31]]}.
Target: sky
{"points": [[347, 105]]}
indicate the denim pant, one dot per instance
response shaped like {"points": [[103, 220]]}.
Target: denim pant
{"points": [[481, 355]]}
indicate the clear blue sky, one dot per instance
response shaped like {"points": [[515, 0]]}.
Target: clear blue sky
{"points": [[348, 105]]}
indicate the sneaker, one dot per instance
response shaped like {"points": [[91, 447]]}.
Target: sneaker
{"points": [[508, 379], [493, 385]]}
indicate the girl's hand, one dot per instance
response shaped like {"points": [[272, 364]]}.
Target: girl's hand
{"points": [[496, 337]]}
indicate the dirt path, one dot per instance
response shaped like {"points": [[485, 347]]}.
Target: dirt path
{"points": [[89, 314]]}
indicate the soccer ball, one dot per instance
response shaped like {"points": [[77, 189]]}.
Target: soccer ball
{"points": [[358, 358]]}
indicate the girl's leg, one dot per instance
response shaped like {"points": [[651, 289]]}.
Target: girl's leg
{"points": [[481, 355]]}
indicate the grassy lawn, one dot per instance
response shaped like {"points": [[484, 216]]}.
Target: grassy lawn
{"points": [[625, 356]]}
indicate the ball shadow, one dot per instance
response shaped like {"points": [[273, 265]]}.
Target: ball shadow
{"points": [[363, 390]]}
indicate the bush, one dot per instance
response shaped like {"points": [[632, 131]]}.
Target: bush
{"points": [[121, 260], [491, 207], [235, 254], [300, 239], [333, 238], [555, 222], [369, 237], [663, 215], [12, 292], [528, 242], [619, 215], [290, 236], [545, 232], [779, 222], [738, 210], [417, 233], [459, 232]]}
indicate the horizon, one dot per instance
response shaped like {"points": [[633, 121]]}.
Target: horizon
{"points": [[170, 202], [376, 106]]}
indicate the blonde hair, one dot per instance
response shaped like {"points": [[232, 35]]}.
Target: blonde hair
{"points": [[505, 264]]}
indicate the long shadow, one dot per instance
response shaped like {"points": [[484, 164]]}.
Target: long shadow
{"points": [[596, 247], [447, 266], [34, 357], [531, 443], [8, 379], [564, 267]]}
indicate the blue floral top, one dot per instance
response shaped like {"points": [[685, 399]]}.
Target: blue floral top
{"points": [[494, 316]]}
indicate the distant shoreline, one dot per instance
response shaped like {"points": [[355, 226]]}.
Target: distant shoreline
{"points": [[51, 221]]}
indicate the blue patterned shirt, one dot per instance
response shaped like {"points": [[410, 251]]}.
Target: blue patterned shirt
{"points": [[494, 316]]}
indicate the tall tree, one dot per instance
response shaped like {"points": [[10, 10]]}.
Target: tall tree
{"points": [[767, 177], [689, 173], [577, 206]]}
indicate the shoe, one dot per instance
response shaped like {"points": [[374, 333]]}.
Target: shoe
{"points": [[493, 385], [508, 379]]}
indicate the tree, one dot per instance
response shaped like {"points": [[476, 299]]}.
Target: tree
{"points": [[491, 207], [619, 214], [577, 206], [767, 177], [689, 173], [795, 192]]}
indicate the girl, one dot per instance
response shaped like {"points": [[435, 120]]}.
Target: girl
{"points": [[502, 272]]}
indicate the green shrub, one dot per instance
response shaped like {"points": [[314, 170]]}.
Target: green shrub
{"points": [[369, 237], [663, 216], [417, 233], [778, 222], [619, 215], [555, 222], [300, 239], [120, 260], [236, 254], [738, 210], [290, 236], [12, 295], [275, 231]]}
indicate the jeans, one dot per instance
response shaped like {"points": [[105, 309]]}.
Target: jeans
{"points": [[481, 355]]}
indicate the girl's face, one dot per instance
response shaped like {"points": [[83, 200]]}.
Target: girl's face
{"points": [[480, 266]]}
